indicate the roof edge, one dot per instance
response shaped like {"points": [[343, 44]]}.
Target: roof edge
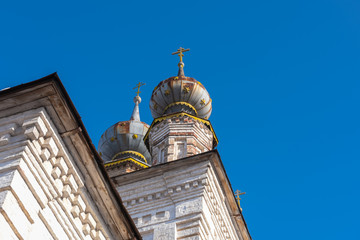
{"points": [[54, 79]]}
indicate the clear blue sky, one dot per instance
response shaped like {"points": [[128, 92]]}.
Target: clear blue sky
{"points": [[283, 76]]}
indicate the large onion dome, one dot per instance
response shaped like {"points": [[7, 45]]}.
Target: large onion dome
{"points": [[180, 94], [124, 140]]}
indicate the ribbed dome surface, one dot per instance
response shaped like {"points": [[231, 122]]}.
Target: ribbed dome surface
{"points": [[124, 136], [178, 94]]}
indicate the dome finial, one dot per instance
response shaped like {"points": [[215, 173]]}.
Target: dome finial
{"points": [[137, 99], [181, 65]]}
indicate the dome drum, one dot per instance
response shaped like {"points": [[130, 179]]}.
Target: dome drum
{"points": [[178, 116]]}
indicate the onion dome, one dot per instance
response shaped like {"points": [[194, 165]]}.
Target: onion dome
{"points": [[180, 94], [124, 140]]}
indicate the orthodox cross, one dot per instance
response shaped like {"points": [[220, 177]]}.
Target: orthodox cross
{"points": [[237, 195], [138, 87], [180, 52]]}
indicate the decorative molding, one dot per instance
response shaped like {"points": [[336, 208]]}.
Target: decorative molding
{"points": [[36, 168], [189, 198], [178, 137]]}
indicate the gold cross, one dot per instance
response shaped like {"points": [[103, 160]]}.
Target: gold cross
{"points": [[180, 52], [138, 87], [237, 195], [186, 90]]}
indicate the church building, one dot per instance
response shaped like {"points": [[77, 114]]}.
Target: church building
{"points": [[169, 174], [162, 181]]}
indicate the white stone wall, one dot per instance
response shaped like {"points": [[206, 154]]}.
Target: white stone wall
{"points": [[179, 137], [182, 203], [42, 194]]}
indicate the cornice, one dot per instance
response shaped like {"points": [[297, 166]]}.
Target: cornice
{"points": [[178, 115]]}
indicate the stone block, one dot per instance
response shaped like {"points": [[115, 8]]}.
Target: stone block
{"points": [[100, 236], [78, 223], [53, 161], [56, 173], [37, 146], [82, 217], [70, 180], [204, 182], [48, 167], [51, 145], [146, 218], [45, 154], [90, 220], [160, 214], [86, 229], [32, 133], [67, 203], [189, 232], [72, 198], [165, 232], [66, 191], [93, 233], [59, 185], [75, 211], [60, 162], [188, 207], [38, 122], [80, 202]]}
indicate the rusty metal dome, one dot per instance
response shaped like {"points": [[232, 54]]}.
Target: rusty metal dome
{"points": [[180, 94], [125, 139]]}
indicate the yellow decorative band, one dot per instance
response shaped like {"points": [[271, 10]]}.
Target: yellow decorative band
{"points": [[160, 119], [125, 160], [180, 103], [130, 152]]}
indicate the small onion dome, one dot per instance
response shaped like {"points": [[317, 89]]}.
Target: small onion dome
{"points": [[125, 139], [180, 94]]}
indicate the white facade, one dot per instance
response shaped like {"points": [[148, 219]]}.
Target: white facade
{"points": [[184, 199], [51, 186], [41, 184]]}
